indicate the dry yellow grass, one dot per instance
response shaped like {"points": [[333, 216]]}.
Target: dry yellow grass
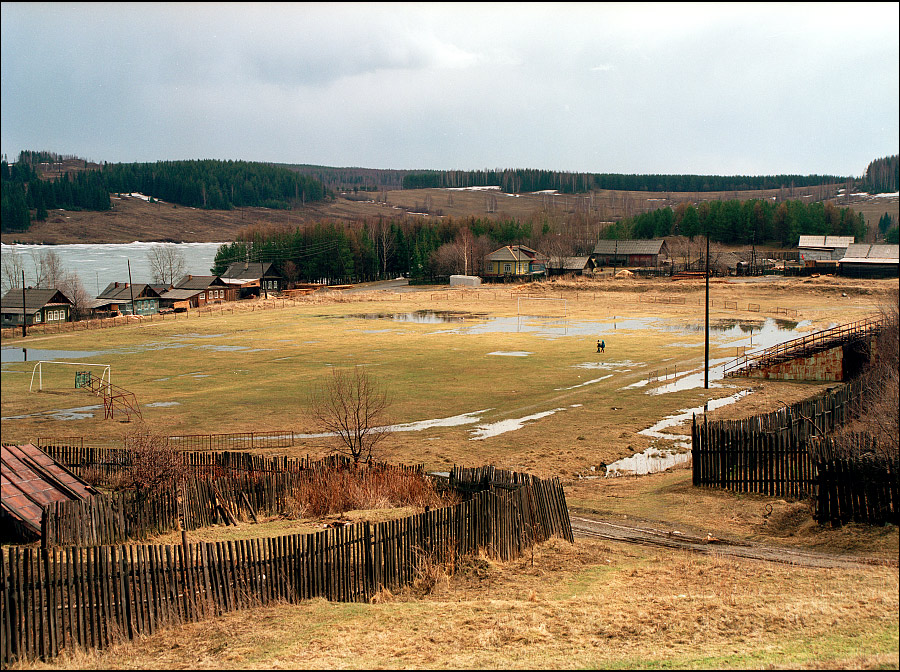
{"points": [[594, 604]]}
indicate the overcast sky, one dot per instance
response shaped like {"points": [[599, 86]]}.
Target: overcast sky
{"points": [[631, 88]]}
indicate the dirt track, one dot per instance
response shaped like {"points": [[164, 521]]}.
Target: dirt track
{"points": [[672, 538]]}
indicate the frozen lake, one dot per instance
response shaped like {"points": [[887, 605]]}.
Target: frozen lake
{"points": [[100, 264]]}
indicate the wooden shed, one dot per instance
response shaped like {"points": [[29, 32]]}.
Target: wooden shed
{"points": [[31, 480]]}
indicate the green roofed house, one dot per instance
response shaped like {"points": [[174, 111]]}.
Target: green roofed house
{"points": [[515, 261], [42, 306]]}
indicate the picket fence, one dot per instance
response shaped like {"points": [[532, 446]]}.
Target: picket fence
{"points": [[856, 481], [54, 599], [205, 499], [768, 454], [790, 453]]}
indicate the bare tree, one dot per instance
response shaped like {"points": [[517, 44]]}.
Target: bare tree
{"points": [[13, 265], [72, 287], [155, 464], [352, 406], [166, 263], [48, 269]]}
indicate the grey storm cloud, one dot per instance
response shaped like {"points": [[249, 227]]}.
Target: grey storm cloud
{"points": [[705, 88]]}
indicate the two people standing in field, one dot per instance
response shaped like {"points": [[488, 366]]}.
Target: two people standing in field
{"points": [[601, 346]]}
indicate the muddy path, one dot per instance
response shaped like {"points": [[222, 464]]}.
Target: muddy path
{"points": [[669, 537]]}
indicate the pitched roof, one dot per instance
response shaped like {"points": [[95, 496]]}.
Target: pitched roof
{"points": [[35, 299], [180, 294], [864, 251], [122, 291], [575, 263], [516, 253], [31, 479], [199, 282], [825, 241], [244, 270], [629, 246]]}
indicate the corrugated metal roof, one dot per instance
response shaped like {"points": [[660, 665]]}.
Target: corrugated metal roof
{"points": [[575, 263], [867, 251], [825, 241], [516, 253], [35, 299], [629, 246], [180, 294], [31, 479]]}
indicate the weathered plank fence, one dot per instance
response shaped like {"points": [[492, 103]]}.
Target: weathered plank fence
{"points": [[767, 454], [855, 481], [195, 503], [53, 599]]}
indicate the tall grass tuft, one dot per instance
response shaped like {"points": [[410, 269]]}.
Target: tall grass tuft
{"points": [[334, 490]]}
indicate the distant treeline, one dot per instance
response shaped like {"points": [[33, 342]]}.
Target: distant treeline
{"points": [[351, 179], [526, 180], [209, 184], [882, 175], [370, 249], [743, 222]]}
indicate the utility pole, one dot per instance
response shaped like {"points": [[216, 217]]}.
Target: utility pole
{"points": [[130, 286], [24, 312], [706, 349]]}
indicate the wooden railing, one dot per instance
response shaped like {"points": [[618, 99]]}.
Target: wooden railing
{"points": [[803, 346]]}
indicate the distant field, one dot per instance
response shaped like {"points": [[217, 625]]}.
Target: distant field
{"points": [[134, 219]]}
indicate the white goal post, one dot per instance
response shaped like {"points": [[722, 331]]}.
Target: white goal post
{"points": [[105, 377]]}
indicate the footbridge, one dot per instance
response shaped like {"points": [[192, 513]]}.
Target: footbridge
{"points": [[806, 358]]}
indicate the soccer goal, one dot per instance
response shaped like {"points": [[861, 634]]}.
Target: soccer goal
{"points": [[38, 370]]}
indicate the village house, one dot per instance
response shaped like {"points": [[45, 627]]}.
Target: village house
{"points": [[254, 278], [515, 261], [571, 266], [42, 306], [196, 291], [630, 253], [863, 260], [118, 297]]}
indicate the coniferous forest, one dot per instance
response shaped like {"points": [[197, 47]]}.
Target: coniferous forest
{"points": [[208, 184]]}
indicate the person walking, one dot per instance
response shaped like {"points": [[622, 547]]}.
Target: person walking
{"points": [[602, 346], [598, 346]]}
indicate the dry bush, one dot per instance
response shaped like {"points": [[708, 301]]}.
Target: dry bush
{"points": [[155, 464], [334, 490]]}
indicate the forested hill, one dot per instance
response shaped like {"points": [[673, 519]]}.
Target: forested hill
{"points": [[882, 175], [525, 180], [208, 184]]}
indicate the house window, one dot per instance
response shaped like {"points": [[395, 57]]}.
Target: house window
{"points": [[507, 268], [37, 316]]}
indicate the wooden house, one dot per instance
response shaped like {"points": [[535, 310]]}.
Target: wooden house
{"points": [[41, 306], [196, 291], [254, 278], [823, 248], [863, 260], [630, 253], [515, 261], [118, 297], [32, 480]]}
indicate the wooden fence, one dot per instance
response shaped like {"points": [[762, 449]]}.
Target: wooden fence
{"points": [[768, 454], [53, 599], [855, 481]]}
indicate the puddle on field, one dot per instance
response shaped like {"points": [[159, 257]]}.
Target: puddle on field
{"points": [[9, 355], [511, 354], [587, 382], [162, 404], [77, 413], [690, 380], [230, 348], [654, 460], [418, 425], [422, 316], [503, 426], [610, 365], [195, 335]]}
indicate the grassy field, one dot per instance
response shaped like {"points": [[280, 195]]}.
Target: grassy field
{"points": [[594, 604]]}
